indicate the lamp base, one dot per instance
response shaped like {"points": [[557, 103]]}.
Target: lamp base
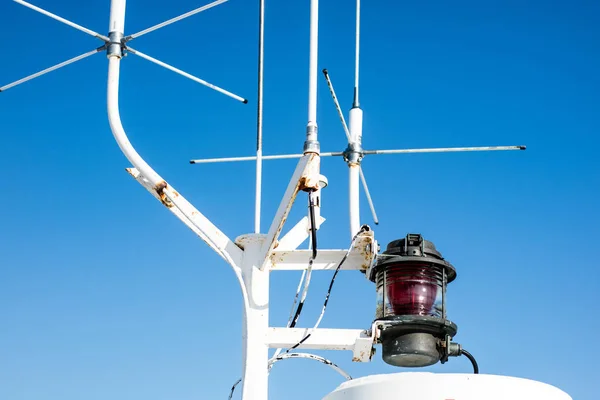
{"points": [[413, 340]]}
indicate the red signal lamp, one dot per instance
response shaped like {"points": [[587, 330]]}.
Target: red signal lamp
{"points": [[411, 278]]}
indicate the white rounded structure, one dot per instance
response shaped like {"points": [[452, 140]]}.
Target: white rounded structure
{"points": [[431, 386]]}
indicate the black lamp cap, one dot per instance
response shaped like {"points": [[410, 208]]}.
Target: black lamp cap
{"points": [[413, 248]]}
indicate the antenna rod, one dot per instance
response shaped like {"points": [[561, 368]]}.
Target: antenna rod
{"points": [[311, 145], [445, 150], [356, 63], [64, 21], [355, 146], [259, 114]]}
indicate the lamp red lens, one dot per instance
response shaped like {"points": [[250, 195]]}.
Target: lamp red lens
{"points": [[413, 289]]}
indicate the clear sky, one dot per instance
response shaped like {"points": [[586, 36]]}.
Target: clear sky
{"points": [[105, 295]]}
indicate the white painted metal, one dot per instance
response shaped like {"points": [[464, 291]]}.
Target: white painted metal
{"points": [[117, 16], [254, 256], [216, 239], [368, 194], [356, 56], [176, 19], [50, 69], [356, 125], [63, 20], [302, 169], [255, 355], [430, 386], [259, 112], [359, 341], [252, 158], [313, 66], [189, 76], [354, 198], [326, 260], [446, 150], [297, 235]]}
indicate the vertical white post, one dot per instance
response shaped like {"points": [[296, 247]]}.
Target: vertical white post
{"points": [[312, 144], [117, 16], [357, 54], [259, 117], [255, 353], [355, 128], [354, 199], [355, 141], [313, 67]]}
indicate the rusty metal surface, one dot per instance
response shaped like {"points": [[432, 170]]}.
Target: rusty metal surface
{"points": [[360, 258]]}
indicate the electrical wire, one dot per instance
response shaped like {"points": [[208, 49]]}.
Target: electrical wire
{"points": [[472, 359], [233, 388], [311, 357], [363, 228], [313, 221], [313, 229]]}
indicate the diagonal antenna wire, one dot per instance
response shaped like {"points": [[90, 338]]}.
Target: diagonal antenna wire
{"points": [[259, 115], [173, 20], [64, 21], [53, 68], [183, 73]]}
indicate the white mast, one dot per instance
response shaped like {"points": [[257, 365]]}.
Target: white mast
{"points": [[253, 256], [355, 142]]}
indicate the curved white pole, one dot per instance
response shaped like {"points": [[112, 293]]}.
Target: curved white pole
{"points": [[114, 119]]}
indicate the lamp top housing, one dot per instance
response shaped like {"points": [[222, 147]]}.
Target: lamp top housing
{"points": [[410, 249]]}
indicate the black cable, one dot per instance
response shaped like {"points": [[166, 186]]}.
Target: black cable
{"points": [[233, 388], [313, 224], [472, 359], [313, 234], [363, 228]]}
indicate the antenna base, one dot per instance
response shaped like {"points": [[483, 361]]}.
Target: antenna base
{"points": [[353, 154], [311, 145], [115, 44]]}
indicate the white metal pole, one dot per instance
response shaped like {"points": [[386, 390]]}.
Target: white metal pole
{"points": [[259, 116], [356, 121], [312, 144], [117, 16], [116, 126], [313, 60], [354, 199], [255, 349], [357, 55]]}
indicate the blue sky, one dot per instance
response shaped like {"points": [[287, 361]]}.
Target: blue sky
{"points": [[103, 294]]}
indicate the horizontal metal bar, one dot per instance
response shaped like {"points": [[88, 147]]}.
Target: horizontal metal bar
{"points": [[445, 150], [53, 68], [359, 341], [297, 260], [320, 339], [251, 158], [173, 20], [183, 73], [64, 21]]}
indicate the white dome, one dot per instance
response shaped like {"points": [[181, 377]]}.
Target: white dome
{"points": [[432, 386]]}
